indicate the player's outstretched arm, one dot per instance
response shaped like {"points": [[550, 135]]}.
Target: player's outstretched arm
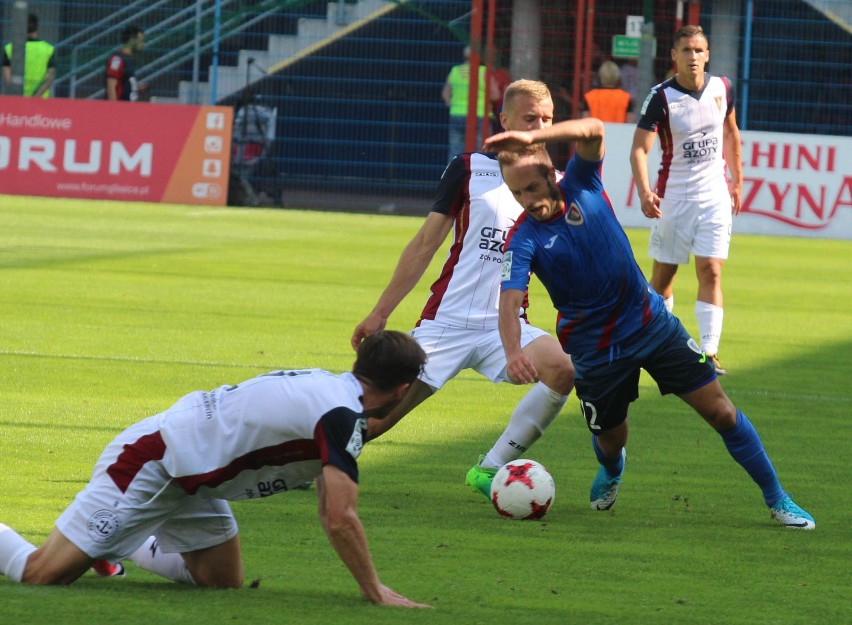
{"points": [[410, 268], [588, 134], [338, 498]]}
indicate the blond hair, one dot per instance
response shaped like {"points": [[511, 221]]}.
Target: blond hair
{"points": [[609, 74], [533, 88]]}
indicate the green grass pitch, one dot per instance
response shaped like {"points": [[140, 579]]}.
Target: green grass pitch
{"points": [[109, 312]]}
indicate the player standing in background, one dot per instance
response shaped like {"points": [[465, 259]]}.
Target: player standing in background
{"points": [[160, 490], [458, 326], [693, 204], [610, 320], [121, 83]]}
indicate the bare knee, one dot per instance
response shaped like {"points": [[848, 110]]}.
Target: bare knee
{"points": [[662, 277], [720, 414], [42, 578], [722, 417], [714, 406], [554, 366], [215, 576], [220, 566], [559, 376], [709, 271], [42, 571], [218, 579]]}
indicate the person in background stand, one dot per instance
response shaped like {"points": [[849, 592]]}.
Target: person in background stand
{"points": [[39, 62], [455, 96], [608, 103], [121, 82]]}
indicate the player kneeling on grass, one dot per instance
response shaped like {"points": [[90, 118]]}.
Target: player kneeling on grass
{"points": [[159, 491]]}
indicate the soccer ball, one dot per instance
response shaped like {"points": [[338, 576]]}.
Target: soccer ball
{"points": [[522, 489]]}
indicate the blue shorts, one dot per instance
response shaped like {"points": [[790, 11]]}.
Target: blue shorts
{"points": [[607, 381]]}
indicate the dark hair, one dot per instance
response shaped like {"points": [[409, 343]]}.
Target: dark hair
{"points": [[689, 31], [535, 154], [129, 33], [32, 23], [389, 358]]}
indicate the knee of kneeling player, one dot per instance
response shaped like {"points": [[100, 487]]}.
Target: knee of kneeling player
{"points": [[219, 579]]}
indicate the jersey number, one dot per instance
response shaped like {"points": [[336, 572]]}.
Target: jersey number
{"points": [[591, 414]]}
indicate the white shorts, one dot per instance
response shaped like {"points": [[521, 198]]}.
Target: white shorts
{"points": [[451, 350], [107, 523], [703, 228]]}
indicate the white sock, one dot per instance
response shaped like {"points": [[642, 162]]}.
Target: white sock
{"points": [[168, 565], [669, 302], [709, 319], [529, 420], [14, 553]]}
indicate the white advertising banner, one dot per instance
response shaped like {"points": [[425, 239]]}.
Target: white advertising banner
{"points": [[793, 185]]}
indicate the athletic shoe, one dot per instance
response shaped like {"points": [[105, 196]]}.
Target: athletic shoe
{"points": [[714, 360], [479, 478], [605, 488], [790, 515], [103, 568]]}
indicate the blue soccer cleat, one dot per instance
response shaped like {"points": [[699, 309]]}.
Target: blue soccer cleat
{"points": [[605, 488], [788, 514]]}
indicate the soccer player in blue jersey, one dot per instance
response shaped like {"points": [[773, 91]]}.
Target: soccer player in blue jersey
{"points": [[610, 320]]}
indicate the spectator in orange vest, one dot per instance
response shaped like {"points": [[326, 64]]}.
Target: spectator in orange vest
{"points": [[609, 103]]}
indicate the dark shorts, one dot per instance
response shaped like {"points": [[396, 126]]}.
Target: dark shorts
{"points": [[607, 381]]}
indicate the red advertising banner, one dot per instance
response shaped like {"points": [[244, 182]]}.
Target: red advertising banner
{"points": [[115, 150]]}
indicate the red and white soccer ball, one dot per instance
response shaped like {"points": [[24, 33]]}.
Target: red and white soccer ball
{"points": [[522, 489]]}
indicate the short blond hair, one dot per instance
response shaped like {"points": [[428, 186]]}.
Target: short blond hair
{"points": [[609, 74], [533, 88]]}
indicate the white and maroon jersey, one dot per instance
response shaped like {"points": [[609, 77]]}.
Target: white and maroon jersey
{"points": [[467, 291], [690, 125], [260, 437]]}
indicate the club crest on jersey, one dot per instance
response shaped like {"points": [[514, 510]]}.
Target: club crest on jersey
{"points": [[719, 102], [356, 441], [506, 267], [573, 216]]}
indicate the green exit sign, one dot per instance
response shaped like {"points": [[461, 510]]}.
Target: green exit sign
{"points": [[624, 47]]}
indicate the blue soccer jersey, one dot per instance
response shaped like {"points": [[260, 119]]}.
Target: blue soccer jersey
{"points": [[585, 262]]}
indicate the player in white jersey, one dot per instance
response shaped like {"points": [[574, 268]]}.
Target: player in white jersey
{"points": [[458, 326], [693, 203], [158, 494]]}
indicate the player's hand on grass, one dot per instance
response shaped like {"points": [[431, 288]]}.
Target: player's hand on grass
{"points": [[390, 597]]}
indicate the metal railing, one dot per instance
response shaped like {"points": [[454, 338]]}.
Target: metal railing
{"points": [[188, 31]]}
